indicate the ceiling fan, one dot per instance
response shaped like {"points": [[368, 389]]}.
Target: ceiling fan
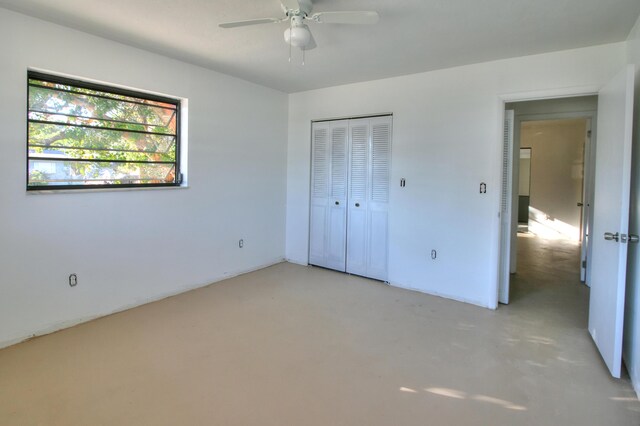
{"points": [[299, 11]]}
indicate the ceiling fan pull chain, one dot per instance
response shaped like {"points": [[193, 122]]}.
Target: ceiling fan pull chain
{"points": [[303, 53]]}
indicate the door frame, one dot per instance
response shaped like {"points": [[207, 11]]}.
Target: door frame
{"points": [[501, 101]]}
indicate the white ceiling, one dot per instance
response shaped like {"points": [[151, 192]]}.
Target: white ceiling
{"points": [[412, 35]]}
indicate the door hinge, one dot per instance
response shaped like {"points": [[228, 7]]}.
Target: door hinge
{"points": [[588, 133], [584, 264]]}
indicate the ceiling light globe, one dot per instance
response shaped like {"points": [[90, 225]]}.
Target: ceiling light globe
{"points": [[297, 36]]}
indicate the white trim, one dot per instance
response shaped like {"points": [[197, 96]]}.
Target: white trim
{"points": [[539, 95], [102, 189], [446, 296], [104, 83], [536, 95]]}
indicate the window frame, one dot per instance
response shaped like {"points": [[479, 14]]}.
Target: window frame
{"points": [[82, 84]]}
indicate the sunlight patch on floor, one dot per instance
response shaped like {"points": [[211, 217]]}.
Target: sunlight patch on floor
{"points": [[549, 228], [449, 393], [456, 394]]}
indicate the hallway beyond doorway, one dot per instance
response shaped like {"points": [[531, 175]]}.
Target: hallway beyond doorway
{"points": [[548, 280]]}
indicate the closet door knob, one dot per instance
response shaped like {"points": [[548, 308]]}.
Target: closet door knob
{"points": [[357, 204], [337, 203]]}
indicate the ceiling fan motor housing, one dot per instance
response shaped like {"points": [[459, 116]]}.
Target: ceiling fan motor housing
{"points": [[304, 8]]}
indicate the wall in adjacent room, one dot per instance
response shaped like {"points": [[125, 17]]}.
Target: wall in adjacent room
{"points": [[557, 170], [131, 247]]}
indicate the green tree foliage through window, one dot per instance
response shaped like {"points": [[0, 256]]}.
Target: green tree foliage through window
{"points": [[83, 134]]}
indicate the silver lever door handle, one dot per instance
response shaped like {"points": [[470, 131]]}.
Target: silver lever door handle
{"points": [[633, 238], [609, 236]]}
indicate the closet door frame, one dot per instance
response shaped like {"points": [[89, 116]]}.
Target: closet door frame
{"points": [[359, 210]]}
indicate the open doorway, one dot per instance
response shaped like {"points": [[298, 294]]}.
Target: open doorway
{"points": [[550, 208], [551, 181]]}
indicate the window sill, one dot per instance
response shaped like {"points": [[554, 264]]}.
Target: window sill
{"points": [[95, 190]]}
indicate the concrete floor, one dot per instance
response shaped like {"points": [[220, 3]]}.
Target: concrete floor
{"points": [[291, 345]]}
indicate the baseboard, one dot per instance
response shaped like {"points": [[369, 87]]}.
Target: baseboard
{"points": [[52, 328], [405, 287], [297, 262], [633, 377], [443, 295]]}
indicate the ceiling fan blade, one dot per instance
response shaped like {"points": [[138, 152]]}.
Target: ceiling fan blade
{"points": [[361, 17], [250, 22], [290, 5]]}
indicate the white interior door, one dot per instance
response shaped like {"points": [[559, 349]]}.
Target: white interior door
{"points": [[357, 235], [611, 217], [328, 221], [320, 164], [368, 204], [350, 174], [337, 220], [379, 198]]}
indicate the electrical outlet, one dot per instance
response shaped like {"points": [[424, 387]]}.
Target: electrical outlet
{"points": [[241, 243], [73, 280]]}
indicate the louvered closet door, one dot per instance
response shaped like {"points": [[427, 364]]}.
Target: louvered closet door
{"points": [[378, 203], [337, 220], [319, 193], [505, 208], [357, 229], [351, 165], [327, 245], [368, 211]]}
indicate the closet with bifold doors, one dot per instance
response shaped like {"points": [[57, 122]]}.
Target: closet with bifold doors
{"points": [[350, 172]]}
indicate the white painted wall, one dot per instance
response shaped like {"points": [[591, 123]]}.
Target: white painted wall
{"points": [[131, 247], [631, 345], [447, 139]]}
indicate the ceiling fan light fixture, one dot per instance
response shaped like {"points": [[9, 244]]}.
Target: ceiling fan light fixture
{"points": [[298, 36], [297, 13]]}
